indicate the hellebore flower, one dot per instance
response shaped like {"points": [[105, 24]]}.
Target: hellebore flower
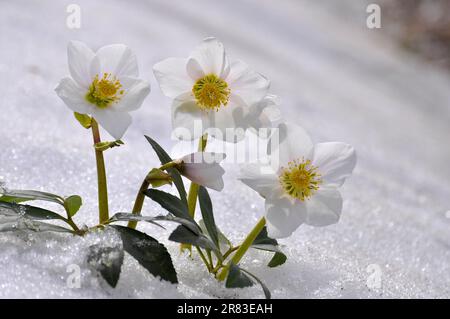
{"points": [[103, 84], [209, 91], [203, 168], [300, 185]]}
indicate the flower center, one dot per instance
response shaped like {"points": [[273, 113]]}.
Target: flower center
{"points": [[211, 92], [300, 179], [104, 91]]}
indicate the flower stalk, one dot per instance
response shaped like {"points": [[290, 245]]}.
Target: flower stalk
{"points": [[140, 197], [101, 177], [193, 189], [192, 198], [248, 241]]}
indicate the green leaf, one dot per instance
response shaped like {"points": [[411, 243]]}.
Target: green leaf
{"points": [[152, 255], [84, 119], [264, 239], [25, 224], [266, 291], [160, 152], [224, 242], [103, 146], [72, 204], [236, 278], [158, 178], [169, 202], [133, 217], [277, 260], [184, 235], [264, 242], [178, 181], [164, 158], [27, 195], [107, 261], [31, 212], [11, 199], [208, 215]]}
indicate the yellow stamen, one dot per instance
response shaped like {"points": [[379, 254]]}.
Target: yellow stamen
{"points": [[300, 179], [104, 91], [211, 92]]}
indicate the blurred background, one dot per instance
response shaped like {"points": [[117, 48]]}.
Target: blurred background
{"points": [[384, 90]]}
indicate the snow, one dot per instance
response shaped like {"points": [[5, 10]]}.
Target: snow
{"points": [[337, 78]]}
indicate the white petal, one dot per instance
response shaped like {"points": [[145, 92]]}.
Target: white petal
{"points": [[263, 115], [188, 120], [204, 169], [290, 142], [114, 122], [260, 178], [80, 57], [283, 216], [73, 95], [227, 123], [136, 91], [172, 77], [251, 86], [324, 207], [335, 162], [194, 70], [210, 55], [119, 60]]}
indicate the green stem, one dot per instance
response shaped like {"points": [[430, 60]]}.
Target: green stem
{"points": [[193, 189], [248, 241], [193, 192], [202, 256], [192, 198], [101, 176], [73, 225], [139, 202], [140, 197], [230, 251]]}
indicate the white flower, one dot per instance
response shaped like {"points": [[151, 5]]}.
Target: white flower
{"points": [[300, 183], [103, 84], [209, 90], [203, 168]]}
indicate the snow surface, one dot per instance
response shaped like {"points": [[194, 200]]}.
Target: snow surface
{"points": [[337, 78]]}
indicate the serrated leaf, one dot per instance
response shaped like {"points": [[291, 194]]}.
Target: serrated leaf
{"points": [[107, 261], [169, 202], [184, 235], [72, 204], [236, 278], [208, 215], [277, 260], [31, 212], [151, 254], [84, 119]]}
